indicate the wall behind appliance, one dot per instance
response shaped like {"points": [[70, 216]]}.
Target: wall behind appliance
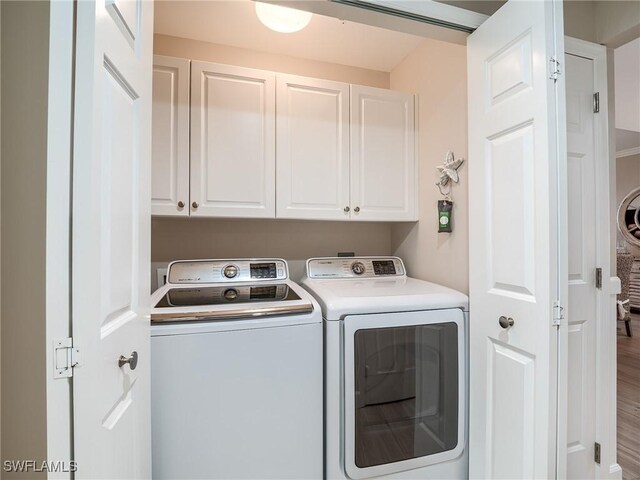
{"points": [[185, 238], [437, 71], [295, 241]]}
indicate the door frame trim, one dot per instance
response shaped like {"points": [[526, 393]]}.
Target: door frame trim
{"points": [[605, 420], [62, 23]]}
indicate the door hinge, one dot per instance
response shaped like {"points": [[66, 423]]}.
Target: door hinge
{"points": [[558, 313], [554, 69], [599, 278], [596, 453], [65, 357], [596, 102]]}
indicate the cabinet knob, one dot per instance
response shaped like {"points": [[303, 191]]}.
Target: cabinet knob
{"points": [[180, 204], [195, 205], [357, 209], [346, 209]]}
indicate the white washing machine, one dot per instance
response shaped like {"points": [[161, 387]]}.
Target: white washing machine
{"points": [[396, 367], [236, 373]]}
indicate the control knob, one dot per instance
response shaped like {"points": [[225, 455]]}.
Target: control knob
{"points": [[230, 271], [357, 268], [231, 294]]}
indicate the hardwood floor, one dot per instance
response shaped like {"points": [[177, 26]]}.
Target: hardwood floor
{"points": [[629, 400]]}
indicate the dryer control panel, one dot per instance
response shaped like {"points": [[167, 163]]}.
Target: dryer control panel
{"points": [[227, 271], [355, 267]]}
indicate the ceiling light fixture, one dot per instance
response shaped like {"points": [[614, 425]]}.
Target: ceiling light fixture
{"points": [[282, 19]]}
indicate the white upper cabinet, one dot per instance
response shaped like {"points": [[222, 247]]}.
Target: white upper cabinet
{"points": [[312, 149], [237, 142], [383, 167], [170, 145], [232, 141]]}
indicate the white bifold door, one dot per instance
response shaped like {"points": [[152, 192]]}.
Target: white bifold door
{"points": [[111, 239], [518, 260], [583, 258]]}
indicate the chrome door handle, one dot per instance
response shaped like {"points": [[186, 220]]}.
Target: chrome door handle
{"points": [[132, 360], [506, 322], [195, 205], [180, 204], [357, 209], [346, 209]]}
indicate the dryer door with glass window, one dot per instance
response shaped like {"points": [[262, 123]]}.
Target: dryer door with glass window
{"points": [[404, 390]]}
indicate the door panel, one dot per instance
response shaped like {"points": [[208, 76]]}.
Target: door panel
{"points": [[383, 168], [511, 378], [232, 141], [516, 258], [170, 154], [259, 408], [111, 238], [581, 410], [125, 15], [509, 70], [313, 148], [510, 162]]}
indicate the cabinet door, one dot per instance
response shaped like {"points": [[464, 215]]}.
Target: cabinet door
{"points": [[383, 168], [313, 148], [170, 145], [232, 141]]}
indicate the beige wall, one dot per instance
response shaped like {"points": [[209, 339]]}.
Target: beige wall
{"points": [[1, 457], [25, 30], [607, 22], [183, 238], [437, 71], [580, 19], [627, 178], [295, 241], [617, 21], [209, 52]]}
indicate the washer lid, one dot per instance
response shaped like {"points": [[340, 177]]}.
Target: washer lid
{"points": [[340, 297], [229, 302]]}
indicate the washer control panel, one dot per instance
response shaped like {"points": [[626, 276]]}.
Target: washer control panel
{"points": [[232, 270], [355, 267]]}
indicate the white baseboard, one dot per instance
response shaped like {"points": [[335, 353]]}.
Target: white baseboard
{"points": [[615, 471]]}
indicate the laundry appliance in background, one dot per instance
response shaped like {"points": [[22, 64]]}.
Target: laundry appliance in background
{"points": [[236, 373], [396, 386]]}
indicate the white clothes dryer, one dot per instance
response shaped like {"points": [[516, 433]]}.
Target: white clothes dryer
{"points": [[396, 385]]}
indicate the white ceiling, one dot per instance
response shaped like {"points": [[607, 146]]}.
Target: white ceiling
{"points": [[327, 39]]}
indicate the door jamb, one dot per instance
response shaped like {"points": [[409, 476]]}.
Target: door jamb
{"points": [[59, 430], [606, 297]]}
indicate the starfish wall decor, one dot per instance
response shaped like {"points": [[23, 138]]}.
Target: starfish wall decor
{"points": [[448, 171]]}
